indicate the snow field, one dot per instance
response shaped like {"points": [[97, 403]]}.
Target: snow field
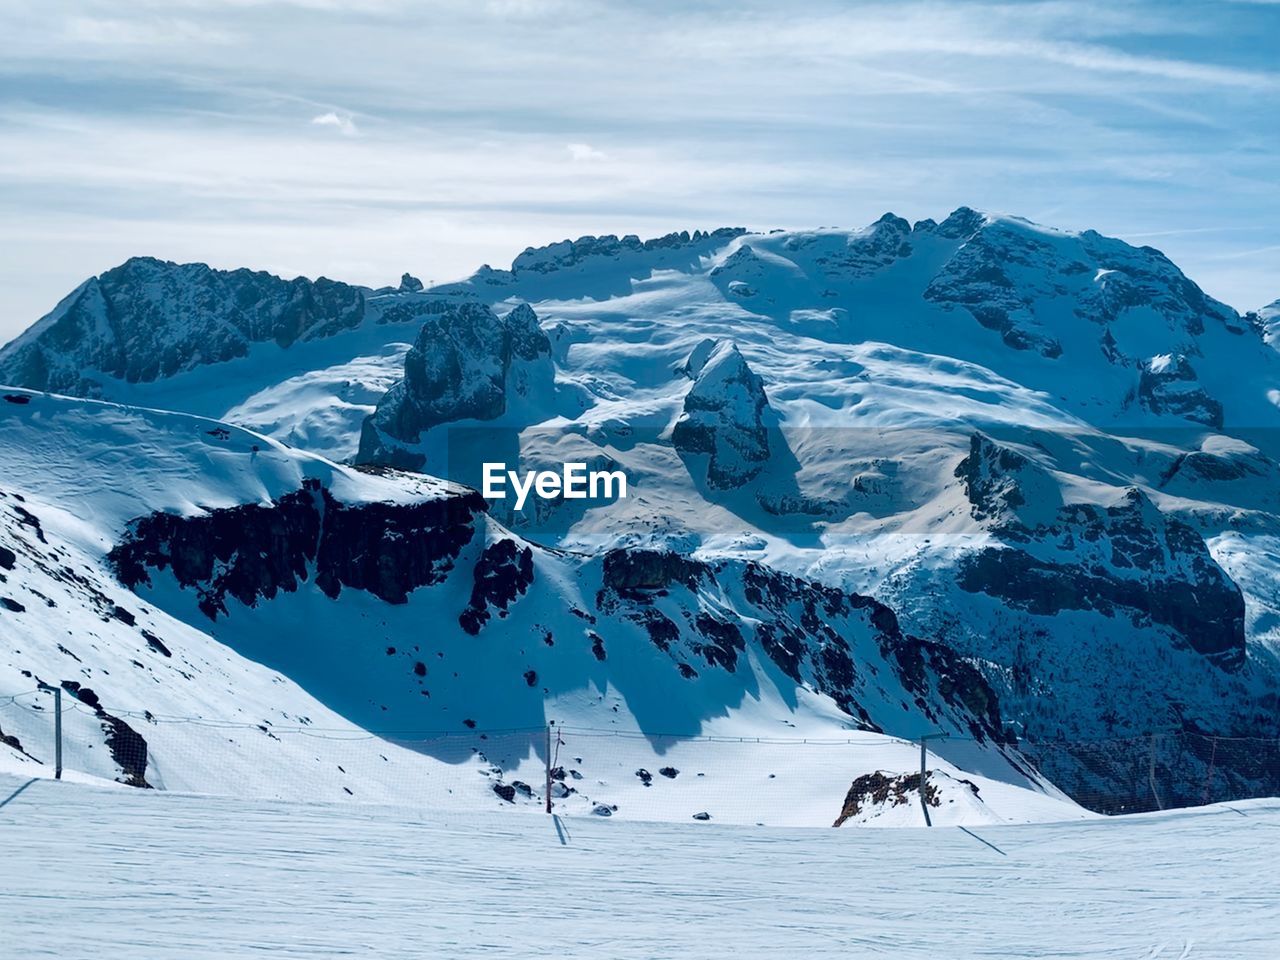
{"points": [[92, 872]]}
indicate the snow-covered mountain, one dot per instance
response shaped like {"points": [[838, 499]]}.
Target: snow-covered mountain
{"points": [[158, 565], [1023, 481]]}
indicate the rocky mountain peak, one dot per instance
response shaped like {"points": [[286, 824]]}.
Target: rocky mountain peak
{"points": [[147, 319], [465, 364], [723, 417]]}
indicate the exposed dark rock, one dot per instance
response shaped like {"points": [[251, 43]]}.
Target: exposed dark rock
{"points": [[1169, 385], [7, 558], [1125, 559], [18, 398], [702, 816], [570, 253], [503, 573], [156, 644], [628, 572], [725, 641], [128, 747], [662, 631], [147, 319], [466, 364], [12, 605], [878, 789], [597, 646], [252, 551], [505, 791], [669, 772], [645, 777]]}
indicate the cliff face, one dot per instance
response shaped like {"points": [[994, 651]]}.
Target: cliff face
{"points": [[148, 319], [723, 418], [251, 552], [466, 364]]}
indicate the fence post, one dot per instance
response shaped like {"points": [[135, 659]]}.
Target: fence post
{"points": [[549, 722], [924, 799], [1151, 773], [57, 726], [57, 733]]}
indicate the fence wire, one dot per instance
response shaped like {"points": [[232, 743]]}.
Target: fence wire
{"points": [[777, 781]]}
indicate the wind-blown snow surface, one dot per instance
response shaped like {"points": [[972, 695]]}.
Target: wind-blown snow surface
{"points": [[101, 872]]}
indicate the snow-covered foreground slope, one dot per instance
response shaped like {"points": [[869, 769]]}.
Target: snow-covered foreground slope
{"points": [[94, 872]]}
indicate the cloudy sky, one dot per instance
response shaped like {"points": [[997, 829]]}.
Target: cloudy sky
{"points": [[362, 139]]}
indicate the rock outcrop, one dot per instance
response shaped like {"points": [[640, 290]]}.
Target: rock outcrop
{"points": [[149, 319], [723, 418], [1123, 560], [1168, 384], [252, 552], [466, 364]]}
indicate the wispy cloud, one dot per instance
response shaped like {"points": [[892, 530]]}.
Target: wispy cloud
{"points": [[339, 121], [585, 153], [280, 133]]}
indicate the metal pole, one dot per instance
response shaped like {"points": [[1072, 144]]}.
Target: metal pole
{"points": [[57, 733], [549, 766], [924, 802]]}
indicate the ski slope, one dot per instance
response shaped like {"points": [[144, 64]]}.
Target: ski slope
{"points": [[95, 872]]}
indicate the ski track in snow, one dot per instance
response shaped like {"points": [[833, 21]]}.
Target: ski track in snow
{"points": [[92, 872]]}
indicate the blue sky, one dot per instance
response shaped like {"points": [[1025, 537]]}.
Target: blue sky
{"points": [[362, 139]]}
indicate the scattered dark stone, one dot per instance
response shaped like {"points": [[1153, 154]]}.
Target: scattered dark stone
{"points": [[645, 776], [702, 816], [506, 791], [155, 643], [7, 558], [669, 772], [420, 669], [531, 677], [469, 724], [17, 398], [603, 810], [124, 616], [391, 651], [597, 646], [522, 787], [686, 671], [29, 519], [12, 605]]}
